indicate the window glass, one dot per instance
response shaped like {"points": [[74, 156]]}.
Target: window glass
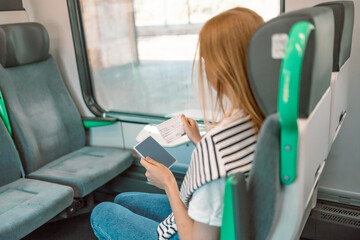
{"points": [[141, 51]]}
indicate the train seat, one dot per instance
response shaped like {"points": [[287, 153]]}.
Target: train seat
{"points": [[344, 23], [25, 204], [47, 127], [264, 193], [289, 68], [338, 180]]}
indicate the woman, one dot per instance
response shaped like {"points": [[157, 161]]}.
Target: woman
{"points": [[195, 212]]}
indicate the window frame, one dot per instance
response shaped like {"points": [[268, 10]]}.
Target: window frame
{"points": [[85, 75], [86, 78]]}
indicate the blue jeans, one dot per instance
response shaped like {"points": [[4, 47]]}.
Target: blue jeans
{"points": [[132, 216]]}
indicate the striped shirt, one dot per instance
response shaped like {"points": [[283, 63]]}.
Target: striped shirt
{"points": [[225, 150]]}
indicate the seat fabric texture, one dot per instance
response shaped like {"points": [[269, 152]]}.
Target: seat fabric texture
{"points": [[9, 159], [85, 169], [45, 121], [48, 131], [46, 124], [264, 68], [265, 190], [344, 24], [26, 204], [23, 45]]}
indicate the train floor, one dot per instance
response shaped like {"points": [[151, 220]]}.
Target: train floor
{"points": [[75, 228]]}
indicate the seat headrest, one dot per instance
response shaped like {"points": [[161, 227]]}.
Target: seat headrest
{"points": [[344, 23], [23, 43], [266, 51]]}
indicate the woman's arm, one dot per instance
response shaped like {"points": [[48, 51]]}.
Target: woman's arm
{"points": [[191, 129], [161, 177], [183, 222], [205, 231], [188, 229]]}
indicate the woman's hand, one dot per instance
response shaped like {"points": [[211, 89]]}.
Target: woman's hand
{"points": [[157, 174], [191, 129]]}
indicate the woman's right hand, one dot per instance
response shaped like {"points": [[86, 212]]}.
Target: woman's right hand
{"points": [[191, 129]]}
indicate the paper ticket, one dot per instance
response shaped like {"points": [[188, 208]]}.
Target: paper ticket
{"points": [[171, 129]]}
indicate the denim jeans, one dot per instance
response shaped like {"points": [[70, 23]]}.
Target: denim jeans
{"points": [[132, 216]]}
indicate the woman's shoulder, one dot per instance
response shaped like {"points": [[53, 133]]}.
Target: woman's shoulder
{"points": [[233, 124], [237, 126]]}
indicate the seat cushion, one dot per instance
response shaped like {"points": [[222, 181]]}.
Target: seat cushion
{"points": [[26, 204], [85, 169]]}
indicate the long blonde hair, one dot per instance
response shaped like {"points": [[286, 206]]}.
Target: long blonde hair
{"points": [[223, 46]]}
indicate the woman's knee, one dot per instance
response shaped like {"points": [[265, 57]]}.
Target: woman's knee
{"points": [[100, 211], [124, 197], [128, 197], [99, 218], [113, 221]]}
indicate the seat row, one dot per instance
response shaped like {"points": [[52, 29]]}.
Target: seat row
{"points": [[42, 136]]}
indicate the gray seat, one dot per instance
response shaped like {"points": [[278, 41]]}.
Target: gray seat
{"points": [[264, 65], [47, 127], [280, 213], [25, 204], [255, 206], [282, 188], [333, 184], [344, 24], [88, 165], [264, 187]]}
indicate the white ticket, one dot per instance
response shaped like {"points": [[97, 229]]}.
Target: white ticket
{"points": [[171, 129]]}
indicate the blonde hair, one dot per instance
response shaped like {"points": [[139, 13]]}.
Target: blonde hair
{"points": [[223, 46]]}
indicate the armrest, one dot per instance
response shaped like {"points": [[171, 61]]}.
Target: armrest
{"points": [[4, 115], [90, 122], [235, 221]]}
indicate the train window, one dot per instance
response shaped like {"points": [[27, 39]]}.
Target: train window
{"points": [[140, 52]]}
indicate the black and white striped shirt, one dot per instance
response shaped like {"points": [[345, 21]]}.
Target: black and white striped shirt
{"points": [[227, 149]]}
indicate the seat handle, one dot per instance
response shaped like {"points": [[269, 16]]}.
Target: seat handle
{"points": [[288, 100]]}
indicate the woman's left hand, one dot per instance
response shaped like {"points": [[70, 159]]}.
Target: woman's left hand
{"points": [[157, 174]]}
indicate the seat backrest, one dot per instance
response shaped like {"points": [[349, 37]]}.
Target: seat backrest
{"points": [[265, 55], [45, 121], [9, 158], [294, 40], [344, 22]]}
